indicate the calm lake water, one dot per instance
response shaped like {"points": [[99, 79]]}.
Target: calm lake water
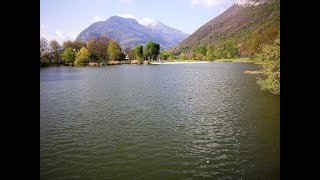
{"points": [[179, 121]]}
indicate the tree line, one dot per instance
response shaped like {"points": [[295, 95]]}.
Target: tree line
{"points": [[100, 50]]}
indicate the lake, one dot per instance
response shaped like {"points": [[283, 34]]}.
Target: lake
{"points": [[179, 121]]}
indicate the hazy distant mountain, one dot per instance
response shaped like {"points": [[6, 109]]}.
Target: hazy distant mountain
{"points": [[170, 35], [129, 33], [247, 24]]}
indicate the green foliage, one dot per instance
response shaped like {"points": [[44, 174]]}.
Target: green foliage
{"points": [[237, 36], [82, 57], [218, 53], [172, 55], [183, 56], [209, 55], [151, 50], [199, 56], [164, 55], [77, 45], [200, 49], [93, 49], [138, 50], [68, 56], [271, 52], [114, 51], [132, 54], [98, 48], [271, 68]]}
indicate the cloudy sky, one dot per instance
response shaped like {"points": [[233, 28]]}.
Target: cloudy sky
{"points": [[63, 20]]}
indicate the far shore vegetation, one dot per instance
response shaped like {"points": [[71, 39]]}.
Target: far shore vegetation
{"points": [[106, 51]]}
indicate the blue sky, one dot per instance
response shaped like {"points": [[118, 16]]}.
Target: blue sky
{"points": [[63, 20]]}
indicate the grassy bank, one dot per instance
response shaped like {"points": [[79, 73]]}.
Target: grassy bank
{"points": [[244, 60]]}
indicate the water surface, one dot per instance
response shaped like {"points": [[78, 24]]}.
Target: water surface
{"points": [[186, 121]]}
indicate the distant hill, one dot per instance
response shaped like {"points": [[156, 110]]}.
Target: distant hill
{"points": [[247, 25], [129, 33]]}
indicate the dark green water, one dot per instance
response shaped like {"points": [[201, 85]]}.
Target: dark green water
{"points": [[157, 122]]}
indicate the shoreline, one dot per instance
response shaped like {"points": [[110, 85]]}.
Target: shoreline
{"points": [[181, 62]]}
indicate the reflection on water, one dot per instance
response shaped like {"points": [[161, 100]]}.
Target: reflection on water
{"points": [[154, 121]]}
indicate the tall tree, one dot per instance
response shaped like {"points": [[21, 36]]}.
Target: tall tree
{"points": [[102, 46], [82, 57], [152, 50], [44, 51], [114, 51], [68, 55], [55, 51], [132, 54], [44, 46], [164, 55], [74, 45], [209, 53], [138, 50], [93, 49]]}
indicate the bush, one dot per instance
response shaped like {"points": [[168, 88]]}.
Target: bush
{"points": [[271, 68]]}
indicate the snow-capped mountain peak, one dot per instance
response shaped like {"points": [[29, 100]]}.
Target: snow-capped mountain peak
{"points": [[148, 22], [250, 2]]}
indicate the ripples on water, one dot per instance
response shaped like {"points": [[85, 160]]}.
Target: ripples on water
{"points": [[185, 121]]}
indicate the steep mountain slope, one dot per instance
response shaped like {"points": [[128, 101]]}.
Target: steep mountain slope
{"points": [[246, 25], [129, 33]]}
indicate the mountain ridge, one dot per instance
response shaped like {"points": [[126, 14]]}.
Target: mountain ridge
{"points": [[247, 24], [130, 33]]}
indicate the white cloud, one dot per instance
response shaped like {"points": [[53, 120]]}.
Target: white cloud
{"points": [[97, 18], [126, 1], [210, 3], [59, 34], [126, 15]]}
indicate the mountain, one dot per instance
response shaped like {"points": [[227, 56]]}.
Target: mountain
{"points": [[129, 33], [171, 35], [246, 25]]}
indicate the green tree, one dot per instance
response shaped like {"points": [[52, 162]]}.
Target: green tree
{"points": [[218, 53], [164, 55], [209, 54], [82, 57], [199, 56], [93, 49], [183, 56], [152, 50], [172, 55], [68, 56], [114, 51], [271, 68], [74, 45], [138, 50], [200, 49], [230, 50]]}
